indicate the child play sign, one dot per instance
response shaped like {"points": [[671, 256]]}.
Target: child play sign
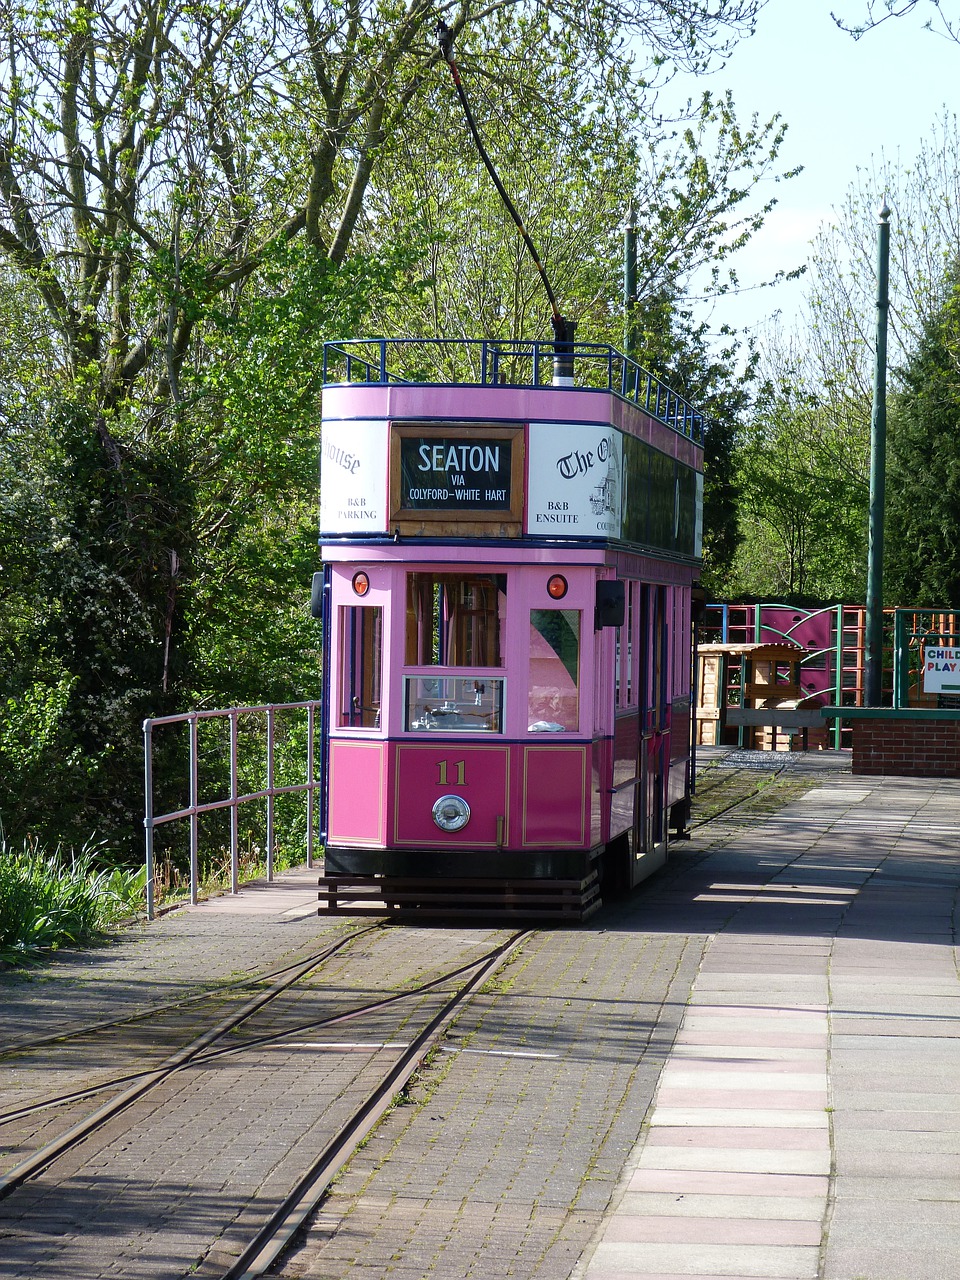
{"points": [[941, 669]]}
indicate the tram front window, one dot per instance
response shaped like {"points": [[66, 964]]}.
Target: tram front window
{"points": [[455, 620], [361, 658], [553, 700], [454, 704]]}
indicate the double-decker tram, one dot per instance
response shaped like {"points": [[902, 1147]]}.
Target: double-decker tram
{"points": [[509, 539]]}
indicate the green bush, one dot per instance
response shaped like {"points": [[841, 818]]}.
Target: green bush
{"points": [[51, 900]]}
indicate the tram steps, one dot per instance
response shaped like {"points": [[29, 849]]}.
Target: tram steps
{"points": [[417, 899]]}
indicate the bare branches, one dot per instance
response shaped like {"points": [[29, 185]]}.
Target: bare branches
{"points": [[879, 13]]}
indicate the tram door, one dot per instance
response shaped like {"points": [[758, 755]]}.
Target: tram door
{"points": [[654, 723]]}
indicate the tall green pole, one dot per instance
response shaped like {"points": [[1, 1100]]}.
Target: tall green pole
{"points": [[873, 680], [629, 283]]}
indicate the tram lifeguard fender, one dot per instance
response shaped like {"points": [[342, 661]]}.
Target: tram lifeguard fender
{"points": [[610, 604]]}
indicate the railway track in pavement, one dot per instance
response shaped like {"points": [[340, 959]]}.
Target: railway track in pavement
{"points": [[283, 1103], [336, 1091]]}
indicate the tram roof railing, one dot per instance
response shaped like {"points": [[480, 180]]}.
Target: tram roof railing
{"points": [[484, 362]]}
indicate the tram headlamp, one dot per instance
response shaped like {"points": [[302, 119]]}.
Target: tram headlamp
{"points": [[451, 813], [361, 583], [557, 587]]}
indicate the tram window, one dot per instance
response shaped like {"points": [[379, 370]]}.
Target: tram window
{"points": [[455, 620], [361, 659], [627, 661], [553, 699], [454, 704]]}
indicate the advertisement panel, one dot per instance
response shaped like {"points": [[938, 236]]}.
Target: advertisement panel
{"points": [[575, 484], [353, 477]]}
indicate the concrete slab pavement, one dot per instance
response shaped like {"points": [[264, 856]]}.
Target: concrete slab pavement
{"points": [[806, 1123]]}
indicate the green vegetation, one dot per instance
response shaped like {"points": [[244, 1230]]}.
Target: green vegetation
{"points": [[802, 462], [922, 564], [192, 198], [52, 900]]}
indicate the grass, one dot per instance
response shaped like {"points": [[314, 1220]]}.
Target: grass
{"points": [[59, 899]]}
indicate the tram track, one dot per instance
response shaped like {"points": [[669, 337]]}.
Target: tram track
{"points": [[142, 1081], [400, 1048], [206, 1055], [219, 991], [276, 1235], [727, 784], [256, 1227]]}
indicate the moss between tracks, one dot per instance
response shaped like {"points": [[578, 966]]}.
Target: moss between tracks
{"points": [[728, 796]]}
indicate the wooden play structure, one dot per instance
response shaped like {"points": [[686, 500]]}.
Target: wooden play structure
{"points": [[752, 695]]}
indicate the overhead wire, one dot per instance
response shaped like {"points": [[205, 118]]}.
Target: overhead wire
{"points": [[562, 328]]}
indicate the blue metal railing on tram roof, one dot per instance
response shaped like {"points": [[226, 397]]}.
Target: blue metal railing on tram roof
{"points": [[484, 362]]}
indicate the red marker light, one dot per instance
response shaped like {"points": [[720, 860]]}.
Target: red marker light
{"points": [[361, 583], [557, 587]]}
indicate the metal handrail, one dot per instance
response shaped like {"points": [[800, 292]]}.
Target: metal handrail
{"points": [[602, 367], [194, 808]]}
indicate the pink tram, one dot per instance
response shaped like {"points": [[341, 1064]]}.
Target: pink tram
{"points": [[509, 539]]}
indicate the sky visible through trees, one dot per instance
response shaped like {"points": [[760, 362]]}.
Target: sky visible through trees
{"points": [[192, 197]]}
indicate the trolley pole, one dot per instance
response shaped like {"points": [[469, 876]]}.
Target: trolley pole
{"points": [[629, 282], [873, 678]]}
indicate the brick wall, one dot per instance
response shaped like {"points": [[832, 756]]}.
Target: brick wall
{"points": [[916, 748]]}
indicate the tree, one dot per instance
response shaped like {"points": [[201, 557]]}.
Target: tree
{"points": [[691, 188], [152, 154], [180, 191], [922, 555], [877, 14], [692, 191], [803, 511], [816, 417], [94, 639]]}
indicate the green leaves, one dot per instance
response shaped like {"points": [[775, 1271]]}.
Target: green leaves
{"points": [[54, 900], [191, 200], [922, 561]]}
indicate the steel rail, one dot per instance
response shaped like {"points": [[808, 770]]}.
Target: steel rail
{"points": [[735, 804], [55, 1037], [47, 1154], [349, 1015], [276, 1235]]}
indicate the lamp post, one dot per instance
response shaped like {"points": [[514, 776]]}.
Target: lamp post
{"points": [[873, 678]]}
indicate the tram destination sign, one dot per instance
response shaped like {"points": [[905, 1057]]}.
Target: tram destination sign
{"points": [[456, 473]]}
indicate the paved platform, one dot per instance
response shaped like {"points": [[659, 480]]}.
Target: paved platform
{"points": [[807, 1123], [766, 1037]]}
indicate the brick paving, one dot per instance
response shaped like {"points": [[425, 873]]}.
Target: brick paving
{"points": [[520, 1133], [205, 1157], [750, 1070]]}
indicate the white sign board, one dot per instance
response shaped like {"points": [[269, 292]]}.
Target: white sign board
{"points": [[353, 477], [575, 486], [941, 669]]}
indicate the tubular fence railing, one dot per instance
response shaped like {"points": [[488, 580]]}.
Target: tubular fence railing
{"points": [[914, 630], [260, 720], [491, 363]]}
